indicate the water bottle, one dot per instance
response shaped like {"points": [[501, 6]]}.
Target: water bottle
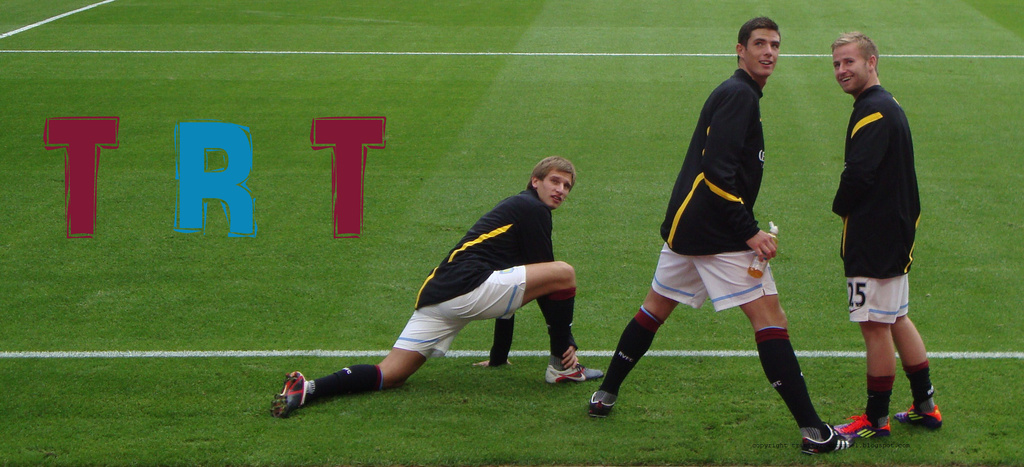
{"points": [[758, 265]]}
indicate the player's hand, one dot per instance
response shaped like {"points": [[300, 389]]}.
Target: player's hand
{"points": [[764, 244], [488, 363], [569, 359]]}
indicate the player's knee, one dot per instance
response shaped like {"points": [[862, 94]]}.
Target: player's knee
{"points": [[392, 384], [566, 274], [873, 331], [393, 378], [765, 312]]}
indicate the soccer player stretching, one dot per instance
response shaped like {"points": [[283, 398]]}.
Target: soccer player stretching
{"points": [[711, 238], [502, 263], [878, 201]]}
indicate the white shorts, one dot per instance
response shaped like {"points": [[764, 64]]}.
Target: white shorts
{"points": [[431, 329], [878, 300], [691, 280]]}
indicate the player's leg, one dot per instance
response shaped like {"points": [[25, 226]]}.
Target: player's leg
{"points": [[543, 279], [765, 312], [429, 332], [675, 281], [881, 366], [355, 379], [779, 362], [780, 365], [881, 372], [392, 372], [298, 391], [729, 285], [878, 345], [553, 285], [633, 344], [908, 342], [915, 365], [398, 366]]}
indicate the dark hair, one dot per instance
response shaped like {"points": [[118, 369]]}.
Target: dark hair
{"points": [[761, 22]]}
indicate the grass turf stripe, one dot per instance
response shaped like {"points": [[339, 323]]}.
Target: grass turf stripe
{"points": [[461, 353]]}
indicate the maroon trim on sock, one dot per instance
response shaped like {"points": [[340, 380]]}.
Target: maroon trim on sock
{"points": [[915, 368], [648, 322], [768, 334], [380, 379], [880, 383], [563, 294]]}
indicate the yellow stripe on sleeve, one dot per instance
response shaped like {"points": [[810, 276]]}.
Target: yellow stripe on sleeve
{"points": [[846, 221], [912, 246], [864, 121], [491, 234], [725, 194], [696, 182]]}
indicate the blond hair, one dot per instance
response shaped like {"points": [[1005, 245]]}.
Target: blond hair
{"points": [[864, 43]]}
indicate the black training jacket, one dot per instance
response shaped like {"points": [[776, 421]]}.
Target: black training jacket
{"points": [[711, 210], [877, 196], [516, 232]]}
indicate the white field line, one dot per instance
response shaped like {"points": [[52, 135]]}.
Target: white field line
{"points": [[497, 54], [55, 18], [464, 353]]}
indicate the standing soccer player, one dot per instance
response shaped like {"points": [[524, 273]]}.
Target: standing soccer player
{"points": [[711, 238], [502, 263], [878, 201]]}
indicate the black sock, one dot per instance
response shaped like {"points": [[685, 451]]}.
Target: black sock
{"points": [[635, 342], [921, 386], [356, 378], [879, 393], [783, 372], [558, 310]]}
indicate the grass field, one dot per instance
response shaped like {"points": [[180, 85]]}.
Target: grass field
{"points": [[474, 93]]}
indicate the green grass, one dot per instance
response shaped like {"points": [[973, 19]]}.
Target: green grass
{"points": [[463, 132], [676, 411]]}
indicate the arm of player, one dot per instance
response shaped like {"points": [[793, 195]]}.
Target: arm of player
{"points": [[569, 358], [502, 342], [722, 161], [864, 153], [533, 231], [764, 244]]}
